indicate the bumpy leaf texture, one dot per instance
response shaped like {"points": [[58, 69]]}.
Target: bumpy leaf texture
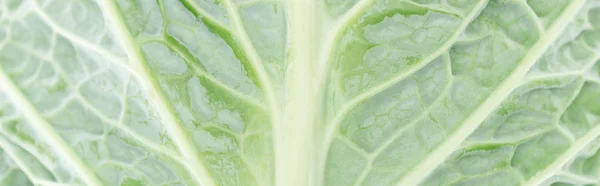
{"points": [[299, 92]]}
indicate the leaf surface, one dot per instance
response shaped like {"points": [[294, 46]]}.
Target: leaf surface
{"points": [[299, 92]]}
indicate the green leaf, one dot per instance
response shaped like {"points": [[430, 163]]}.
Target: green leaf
{"points": [[299, 92]]}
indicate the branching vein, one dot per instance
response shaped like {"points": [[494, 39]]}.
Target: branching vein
{"points": [[46, 131], [562, 160], [454, 140], [195, 165]]}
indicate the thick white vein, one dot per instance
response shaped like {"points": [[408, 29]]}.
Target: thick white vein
{"points": [[45, 130], [439, 154], [194, 165], [295, 153]]}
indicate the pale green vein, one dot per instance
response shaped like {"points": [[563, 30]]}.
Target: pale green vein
{"points": [[45, 162], [580, 72], [581, 178], [175, 45], [252, 54], [562, 111], [124, 100], [562, 160], [247, 163], [334, 126], [577, 146], [201, 13], [222, 129], [353, 145], [194, 165], [77, 95], [360, 7], [141, 139], [529, 136], [437, 8], [551, 76], [364, 174], [420, 117], [361, 151], [538, 23], [10, 151], [256, 63], [427, 60], [371, 156], [239, 138], [45, 130], [564, 131], [439, 154], [201, 72], [324, 60], [78, 39]]}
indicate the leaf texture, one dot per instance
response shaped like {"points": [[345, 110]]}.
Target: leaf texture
{"points": [[299, 92]]}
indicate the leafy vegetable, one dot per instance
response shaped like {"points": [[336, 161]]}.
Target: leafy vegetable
{"points": [[299, 92]]}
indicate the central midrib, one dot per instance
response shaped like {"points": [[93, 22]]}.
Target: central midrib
{"points": [[295, 134]]}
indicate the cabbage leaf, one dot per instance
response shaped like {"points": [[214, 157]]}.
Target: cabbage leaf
{"points": [[299, 92]]}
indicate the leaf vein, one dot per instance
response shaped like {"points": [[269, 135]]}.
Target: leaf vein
{"points": [[440, 153], [195, 165], [43, 128]]}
